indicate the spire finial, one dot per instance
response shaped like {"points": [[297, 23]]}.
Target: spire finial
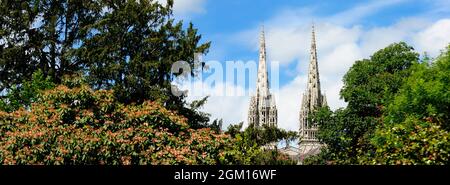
{"points": [[262, 37], [313, 33], [313, 74]]}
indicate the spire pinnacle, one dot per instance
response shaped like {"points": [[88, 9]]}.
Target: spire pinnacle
{"points": [[312, 99], [313, 42], [313, 74], [262, 109], [263, 80], [262, 43]]}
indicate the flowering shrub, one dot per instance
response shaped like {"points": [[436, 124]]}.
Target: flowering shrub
{"points": [[412, 142], [81, 126]]}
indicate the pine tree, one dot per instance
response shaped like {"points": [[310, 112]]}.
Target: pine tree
{"points": [[127, 46]]}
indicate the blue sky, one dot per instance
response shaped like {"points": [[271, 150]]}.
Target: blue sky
{"points": [[346, 31]]}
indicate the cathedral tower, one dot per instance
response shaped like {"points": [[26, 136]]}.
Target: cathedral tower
{"points": [[262, 109], [312, 99]]}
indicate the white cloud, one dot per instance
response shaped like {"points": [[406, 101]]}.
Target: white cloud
{"points": [[379, 37], [223, 102], [189, 6], [288, 103], [358, 12], [434, 38], [232, 109], [338, 60]]}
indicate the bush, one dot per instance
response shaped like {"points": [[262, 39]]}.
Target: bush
{"points": [[412, 142], [81, 126]]}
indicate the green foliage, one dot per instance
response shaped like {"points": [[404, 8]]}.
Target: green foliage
{"points": [[256, 146], [412, 141], [325, 157], [78, 125], [425, 94], [127, 46], [416, 124], [197, 118], [344, 133], [26, 93], [41, 35], [370, 83], [272, 157], [216, 125], [81, 126], [368, 86], [137, 63]]}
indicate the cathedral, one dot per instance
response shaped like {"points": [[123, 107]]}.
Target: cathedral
{"points": [[262, 109]]}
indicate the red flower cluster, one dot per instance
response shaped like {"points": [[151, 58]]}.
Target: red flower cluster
{"points": [[82, 126]]}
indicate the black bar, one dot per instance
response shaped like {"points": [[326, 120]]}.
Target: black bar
{"points": [[283, 174]]}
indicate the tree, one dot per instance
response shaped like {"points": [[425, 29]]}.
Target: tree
{"points": [[23, 95], [345, 135], [126, 46], [369, 86], [370, 83], [41, 35], [290, 136], [249, 146], [425, 94], [137, 63], [417, 123], [216, 125]]}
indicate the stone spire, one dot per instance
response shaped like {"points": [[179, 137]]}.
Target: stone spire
{"points": [[312, 99], [262, 85], [262, 109], [313, 86]]}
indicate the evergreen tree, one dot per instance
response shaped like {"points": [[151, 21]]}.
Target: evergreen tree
{"points": [[126, 46], [42, 35]]}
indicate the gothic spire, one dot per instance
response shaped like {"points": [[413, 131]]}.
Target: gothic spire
{"points": [[312, 99], [262, 108], [313, 87], [262, 85], [313, 46]]}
